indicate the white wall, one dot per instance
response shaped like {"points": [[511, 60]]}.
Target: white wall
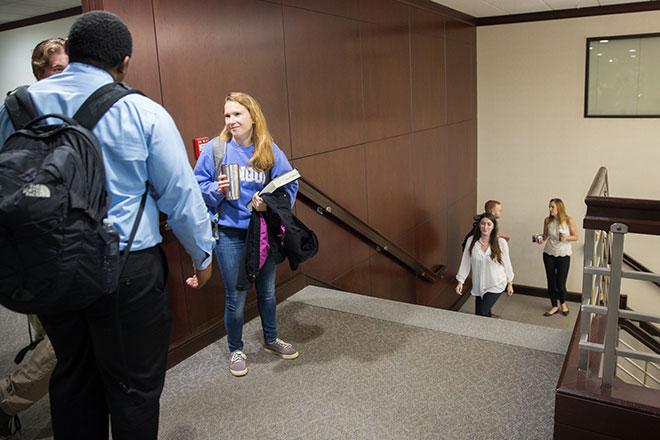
{"points": [[534, 143], [16, 49]]}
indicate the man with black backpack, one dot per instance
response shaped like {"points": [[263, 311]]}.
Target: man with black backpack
{"points": [[111, 328]]}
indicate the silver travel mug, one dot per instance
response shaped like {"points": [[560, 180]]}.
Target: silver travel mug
{"points": [[232, 170]]}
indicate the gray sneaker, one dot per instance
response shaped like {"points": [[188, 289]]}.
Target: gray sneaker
{"points": [[282, 349], [237, 363]]}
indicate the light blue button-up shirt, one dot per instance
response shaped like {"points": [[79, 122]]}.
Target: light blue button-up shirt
{"points": [[140, 143]]}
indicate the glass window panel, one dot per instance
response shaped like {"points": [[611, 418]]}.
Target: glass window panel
{"points": [[622, 76]]}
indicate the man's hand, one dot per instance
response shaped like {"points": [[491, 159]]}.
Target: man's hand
{"points": [[200, 277]]}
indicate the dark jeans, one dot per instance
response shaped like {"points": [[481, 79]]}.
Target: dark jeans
{"points": [[483, 304], [111, 357], [556, 270]]}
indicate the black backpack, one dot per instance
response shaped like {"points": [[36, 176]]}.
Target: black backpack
{"points": [[56, 252]]}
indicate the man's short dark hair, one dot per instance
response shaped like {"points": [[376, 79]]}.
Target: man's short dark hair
{"points": [[490, 205], [99, 38]]}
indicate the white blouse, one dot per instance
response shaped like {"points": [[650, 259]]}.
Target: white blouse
{"points": [[554, 246], [487, 274]]}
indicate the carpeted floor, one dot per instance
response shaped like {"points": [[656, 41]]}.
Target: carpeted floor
{"points": [[363, 378], [358, 377]]}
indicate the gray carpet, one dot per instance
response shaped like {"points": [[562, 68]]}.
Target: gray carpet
{"points": [[358, 377], [361, 378]]}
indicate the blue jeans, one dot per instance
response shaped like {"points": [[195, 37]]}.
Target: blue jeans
{"points": [[229, 252]]}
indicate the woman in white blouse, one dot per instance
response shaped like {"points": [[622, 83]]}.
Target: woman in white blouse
{"points": [[487, 255], [558, 231]]}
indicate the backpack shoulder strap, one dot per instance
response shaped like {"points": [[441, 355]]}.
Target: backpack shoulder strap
{"points": [[20, 107], [219, 153], [100, 102]]}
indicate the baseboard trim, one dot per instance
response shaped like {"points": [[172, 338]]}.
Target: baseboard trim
{"points": [[523, 289]]}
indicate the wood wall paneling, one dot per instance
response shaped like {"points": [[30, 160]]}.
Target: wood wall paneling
{"points": [[324, 79], [143, 70], [460, 31], [428, 71], [462, 159], [429, 155], [567, 432], [390, 191], [472, 154], [459, 222], [386, 67], [357, 280], [441, 294], [208, 49], [284, 272], [473, 85], [427, 23], [431, 240], [341, 175], [92, 5], [176, 290], [339, 249], [431, 250], [207, 304], [459, 82], [391, 281], [390, 13], [342, 8], [620, 420], [432, 6], [457, 162]]}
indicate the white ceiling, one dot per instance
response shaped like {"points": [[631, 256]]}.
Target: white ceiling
{"points": [[490, 8], [14, 10]]}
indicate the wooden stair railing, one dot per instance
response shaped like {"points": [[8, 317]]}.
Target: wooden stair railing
{"points": [[326, 206]]}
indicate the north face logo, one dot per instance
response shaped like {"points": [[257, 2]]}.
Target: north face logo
{"points": [[36, 190]]}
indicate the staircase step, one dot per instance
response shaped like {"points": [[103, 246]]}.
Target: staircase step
{"points": [[497, 330]]}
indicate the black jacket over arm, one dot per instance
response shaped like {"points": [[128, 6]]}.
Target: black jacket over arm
{"points": [[298, 243]]}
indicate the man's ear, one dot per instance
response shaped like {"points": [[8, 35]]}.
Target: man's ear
{"points": [[123, 66], [121, 69]]}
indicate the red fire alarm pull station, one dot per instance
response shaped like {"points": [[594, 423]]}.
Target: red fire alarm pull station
{"points": [[199, 143]]}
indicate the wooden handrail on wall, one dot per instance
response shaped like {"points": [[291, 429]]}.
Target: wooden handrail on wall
{"points": [[326, 206]]}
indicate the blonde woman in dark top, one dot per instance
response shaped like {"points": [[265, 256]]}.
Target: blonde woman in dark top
{"points": [[559, 231]]}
